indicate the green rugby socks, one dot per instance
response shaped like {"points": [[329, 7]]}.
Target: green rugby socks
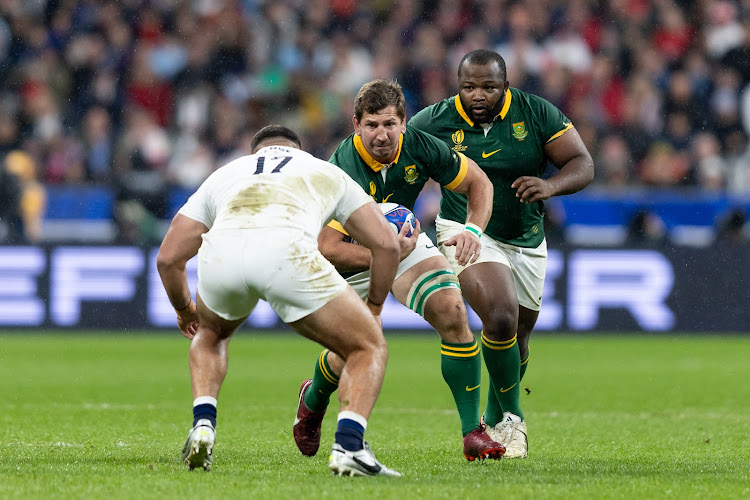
{"points": [[462, 371], [324, 383], [503, 363]]}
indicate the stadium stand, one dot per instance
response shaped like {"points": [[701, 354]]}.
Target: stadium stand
{"points": [[125, 107]]}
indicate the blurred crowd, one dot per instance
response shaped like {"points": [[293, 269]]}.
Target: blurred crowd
{"points": [[147, 95]]}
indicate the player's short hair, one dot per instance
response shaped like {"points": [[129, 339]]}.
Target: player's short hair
{"points": [[482, 57], [274, 132], [377, 95]]}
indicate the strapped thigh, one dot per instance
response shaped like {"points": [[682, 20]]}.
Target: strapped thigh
{"points": [[427, 284]]}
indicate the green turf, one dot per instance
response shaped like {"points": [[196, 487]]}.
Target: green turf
{"points": [[106, 415]]}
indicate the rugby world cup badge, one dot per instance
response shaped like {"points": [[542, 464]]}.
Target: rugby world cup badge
{"points": [[519, 131], [458, 138], [410, 174]]}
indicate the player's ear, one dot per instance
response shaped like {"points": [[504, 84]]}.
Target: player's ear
{"points": [[355, 122]]}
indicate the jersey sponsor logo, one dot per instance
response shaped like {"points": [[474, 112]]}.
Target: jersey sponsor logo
{"points": [[373, 188], [487, 155], [519, 131], [410, 174], [386, 198], [469, 389], [458, 138]]}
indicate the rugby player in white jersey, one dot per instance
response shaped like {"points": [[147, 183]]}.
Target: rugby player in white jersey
{"points": [[254, 225]]}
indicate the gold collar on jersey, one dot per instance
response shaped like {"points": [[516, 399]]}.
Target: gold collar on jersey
{"points": [[372, 162], [501, 114]]}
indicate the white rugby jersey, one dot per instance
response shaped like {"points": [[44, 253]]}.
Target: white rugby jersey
{"points": [[276, 187]]}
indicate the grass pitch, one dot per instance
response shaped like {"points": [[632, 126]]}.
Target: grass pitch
{"points": [[106, 414]]}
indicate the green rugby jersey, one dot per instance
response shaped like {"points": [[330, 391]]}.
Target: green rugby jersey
{"points": [[513, 147], [420, 157]]}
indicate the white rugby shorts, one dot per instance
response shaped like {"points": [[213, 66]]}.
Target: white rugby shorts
{"points": [[528, 265], [424, 250], [280, 265]]}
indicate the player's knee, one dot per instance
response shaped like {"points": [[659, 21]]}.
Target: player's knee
{"points": [[436, 295], [207, 342], [500, 324], [206, 337], [446, 312], [434, 289], [371, 341], [373, 348]]}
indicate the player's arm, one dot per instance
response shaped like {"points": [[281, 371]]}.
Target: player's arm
{"points": [[181, 243], [576, 170], [344, 256], [479, 192], [347, 257], [368, 226]]}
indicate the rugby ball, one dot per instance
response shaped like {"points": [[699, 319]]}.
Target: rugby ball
{"points": [[398, 215]]}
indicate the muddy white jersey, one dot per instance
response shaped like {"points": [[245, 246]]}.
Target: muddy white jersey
{"points": [[277, 187]]}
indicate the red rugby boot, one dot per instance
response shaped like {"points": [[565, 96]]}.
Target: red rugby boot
{"points": [[307, 424], [478, 444]]}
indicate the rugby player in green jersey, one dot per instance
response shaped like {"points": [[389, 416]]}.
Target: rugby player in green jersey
{"points": [[511, 135], [392, 162]]}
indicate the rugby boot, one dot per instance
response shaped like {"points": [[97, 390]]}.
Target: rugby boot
{"points": [[479, 445], [357, 463], [198, 449], [307, 424]]}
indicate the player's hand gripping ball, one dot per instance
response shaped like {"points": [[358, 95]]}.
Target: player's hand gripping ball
{"points": [[396, 215]]}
